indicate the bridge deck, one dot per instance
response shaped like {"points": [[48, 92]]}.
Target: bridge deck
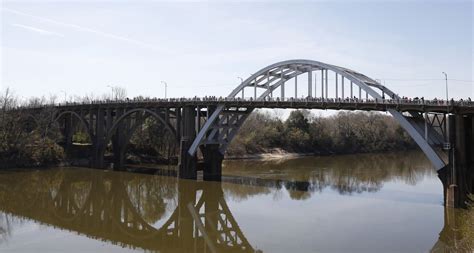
{"points": [[440, 106]]}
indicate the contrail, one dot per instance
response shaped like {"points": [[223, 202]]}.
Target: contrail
{"points": [[37, 30], [89, 30]]}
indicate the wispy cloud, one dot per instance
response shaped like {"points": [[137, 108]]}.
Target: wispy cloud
{"points": [[37, 30], [89, 30]]}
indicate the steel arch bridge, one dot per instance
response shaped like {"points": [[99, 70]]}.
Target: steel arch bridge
{"points": [[222, 126], [204, 127]]}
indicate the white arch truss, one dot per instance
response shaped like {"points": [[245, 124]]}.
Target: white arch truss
{"points": [[269, 83]]}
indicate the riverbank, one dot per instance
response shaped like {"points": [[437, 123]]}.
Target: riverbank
{"points": [[278, 153], [266, 154]]}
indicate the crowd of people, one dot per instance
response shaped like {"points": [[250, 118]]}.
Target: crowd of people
{"points": [[393, 100]]}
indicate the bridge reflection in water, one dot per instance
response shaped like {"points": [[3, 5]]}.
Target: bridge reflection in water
{"points": [[126, 209], [167, 214]]}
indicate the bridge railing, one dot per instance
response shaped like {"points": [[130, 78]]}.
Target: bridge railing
{"points": [[402, 101]]}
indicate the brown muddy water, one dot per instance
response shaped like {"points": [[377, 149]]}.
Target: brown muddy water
{"points": [[354, 203]]}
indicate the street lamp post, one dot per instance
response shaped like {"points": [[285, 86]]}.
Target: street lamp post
{"points": [[447, 109], [448, 144], [447, 95], [166, 88]]}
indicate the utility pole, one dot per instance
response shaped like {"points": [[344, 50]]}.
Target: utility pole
{"points": [[166, 88]]}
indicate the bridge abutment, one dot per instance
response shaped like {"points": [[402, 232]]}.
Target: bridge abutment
{"points": [[458, 176]]}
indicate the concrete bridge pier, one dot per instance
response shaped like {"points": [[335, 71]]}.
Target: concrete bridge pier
{"points": [[187, 167], [212, 162], [212, 157], [458, 175], [68, 132], [119, 145], [98, 142]]}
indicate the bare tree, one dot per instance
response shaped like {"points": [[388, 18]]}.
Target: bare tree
{"points": [[118, 93], [10, 134], [27, 137]]}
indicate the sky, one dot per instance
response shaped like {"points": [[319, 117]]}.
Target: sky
{"points": [[200, 48]]}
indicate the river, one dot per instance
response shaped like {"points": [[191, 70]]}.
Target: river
{"points": [[352, 203]]}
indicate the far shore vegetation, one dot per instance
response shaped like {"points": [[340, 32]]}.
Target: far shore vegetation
{"points": [[304, 132]]}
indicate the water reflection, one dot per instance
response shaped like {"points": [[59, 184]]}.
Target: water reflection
{"points": [[453, 237], [149, 212], [345, 174], [5, 227], [160, 213]]}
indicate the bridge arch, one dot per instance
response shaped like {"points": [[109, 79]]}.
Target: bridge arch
{"points": [[81, 120], [167, 125], [30, 116], [273, 76], [220, 128], [128, 135], [30, 122]]}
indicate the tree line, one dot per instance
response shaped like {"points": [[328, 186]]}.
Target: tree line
{"points": [[26, 139], [305, 132]]}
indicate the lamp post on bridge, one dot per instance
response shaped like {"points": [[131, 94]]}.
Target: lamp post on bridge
{"points": [[447, 95], [447, 145], [166, 88]]}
